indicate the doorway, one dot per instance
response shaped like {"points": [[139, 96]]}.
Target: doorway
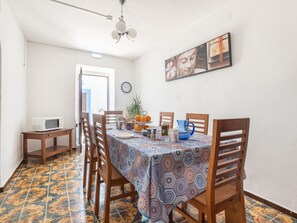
{"points": [[95, 92]]}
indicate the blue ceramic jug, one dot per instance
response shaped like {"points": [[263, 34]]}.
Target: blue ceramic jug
{"points": [[183, 129]]}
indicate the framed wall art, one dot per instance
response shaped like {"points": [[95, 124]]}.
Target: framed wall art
{"points": [[212, 55]]}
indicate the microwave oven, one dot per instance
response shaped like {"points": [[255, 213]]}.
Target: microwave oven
{"points": [[47, 123]]}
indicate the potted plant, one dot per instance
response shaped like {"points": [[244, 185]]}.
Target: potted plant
{"points": [[135, 108]]}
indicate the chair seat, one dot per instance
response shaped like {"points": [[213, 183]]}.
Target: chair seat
{"points": [[116, 177], [225, 193]]}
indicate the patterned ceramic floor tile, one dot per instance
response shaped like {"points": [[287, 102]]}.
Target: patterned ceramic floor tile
{"points": [[57, 176], [283, 218], [22, 183], [58, 166], [58, 188], [57, 211], [28, 172], [40, 180], [37, 194], [33, 213], [53, 192], [43, 170], [249, 202], [83, 216], [10, 214], [114, 218], [64, 219], [131, 215], [32, 208], [16, 198], [254, 216], [3, 196]]}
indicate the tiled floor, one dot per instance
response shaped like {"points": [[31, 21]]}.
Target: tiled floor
{"points": [[53, 193]]}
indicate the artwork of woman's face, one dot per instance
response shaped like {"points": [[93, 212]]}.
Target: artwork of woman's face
{"points": [[186, 62]]}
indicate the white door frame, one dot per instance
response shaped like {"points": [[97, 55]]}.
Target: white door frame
{"points": [[96, 71]]}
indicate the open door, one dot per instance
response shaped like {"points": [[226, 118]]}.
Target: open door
{"points": [[80, 110], [95, 89]]}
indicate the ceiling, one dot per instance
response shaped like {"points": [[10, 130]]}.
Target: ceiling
{"points": [[44, 21]]}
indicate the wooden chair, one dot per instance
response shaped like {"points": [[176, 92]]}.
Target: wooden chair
{"points": [[90, 153], [109, 174], [200, 121], [112, 115], [166, 118], [224, 190]]}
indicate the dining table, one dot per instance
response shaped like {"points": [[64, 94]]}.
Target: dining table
{"points": [[164, 173]]}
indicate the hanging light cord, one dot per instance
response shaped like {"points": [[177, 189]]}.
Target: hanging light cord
{"points": [[108, 17], [122, 17]]}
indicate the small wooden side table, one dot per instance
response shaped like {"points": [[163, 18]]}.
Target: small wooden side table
{"points": [[44, 152]]}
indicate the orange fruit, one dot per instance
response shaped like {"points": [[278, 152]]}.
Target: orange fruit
{"points": [[137, 127], [148, 118], [137, 118], [143, 119], [146, 126]]}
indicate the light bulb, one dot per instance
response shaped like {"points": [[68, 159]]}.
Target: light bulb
{"points": [[121, 26], [132, 33], [115, 35]]}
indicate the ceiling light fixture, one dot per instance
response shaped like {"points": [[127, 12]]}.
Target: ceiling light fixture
{"points": [[108, 17], [121, 28]]}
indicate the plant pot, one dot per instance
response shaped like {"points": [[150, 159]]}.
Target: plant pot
{"points": [[129, 125]]}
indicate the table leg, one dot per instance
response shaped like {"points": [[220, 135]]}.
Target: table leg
{"points": [[25, 149], [55, 141], [70, 141], [43, 150]]}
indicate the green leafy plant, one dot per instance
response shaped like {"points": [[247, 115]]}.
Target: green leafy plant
{"points": [[135, 108]]}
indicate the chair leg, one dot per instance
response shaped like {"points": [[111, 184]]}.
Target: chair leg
{"points": [[132, 188], [97, 195], [211, 216], [236, 213], [90, 180], [106, 203], [85, 172], [241, 211], [201, 217], [171, 217]]}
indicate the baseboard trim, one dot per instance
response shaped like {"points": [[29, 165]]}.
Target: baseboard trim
{"points": [[2, 189], [271, 204]]}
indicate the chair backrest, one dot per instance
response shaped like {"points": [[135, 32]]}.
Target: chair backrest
{"points": [[228, 152], [200, 121], [89, 148], [112, 115], [166, 118], [102, 146]]}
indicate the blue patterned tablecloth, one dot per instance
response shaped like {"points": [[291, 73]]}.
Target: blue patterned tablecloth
{"points": [[163, 173]]}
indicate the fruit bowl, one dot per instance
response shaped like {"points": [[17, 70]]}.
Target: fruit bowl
{"points": [[143, 123], [139, 126]]}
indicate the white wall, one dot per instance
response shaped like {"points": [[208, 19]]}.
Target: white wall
{"points": [[261, 85], [52, 80], [13, 92]]}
